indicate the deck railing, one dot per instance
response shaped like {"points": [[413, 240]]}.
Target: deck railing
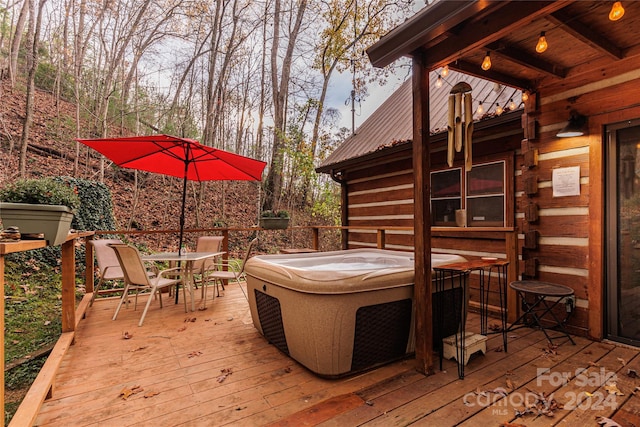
{"points": [[72, 314]]}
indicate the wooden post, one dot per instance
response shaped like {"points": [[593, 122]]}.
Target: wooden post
{"points": [[511, 248], [68, 285], [88, 262], [422, 217], [381, 238], [315, 238], [2, 324]]}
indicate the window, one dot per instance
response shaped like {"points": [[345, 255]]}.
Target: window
{"points": [[445, 196], [484, 196]]}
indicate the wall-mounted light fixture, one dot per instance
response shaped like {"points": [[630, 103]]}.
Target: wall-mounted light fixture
{"points": [[577, 126]]}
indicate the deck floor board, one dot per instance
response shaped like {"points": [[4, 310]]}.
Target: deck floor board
{"points": [[212, 368]]}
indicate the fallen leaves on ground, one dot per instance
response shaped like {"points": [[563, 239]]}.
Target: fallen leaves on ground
{"points": [[508, 424], [194, 354], [495, 327], [510, 384], [632, 373], [594, 364], [607, 422], [126, 392], [126, 335], [138, 349], [225, 373], [189, 319], [183, 328], [621, 360], [151, 394]]}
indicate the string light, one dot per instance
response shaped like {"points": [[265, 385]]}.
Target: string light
{"points": [[480, 109], [525, 95], [439, 81], [617, 11], [486, 63], [542, 43], [499, 109], [512, 105], [445, 71]]}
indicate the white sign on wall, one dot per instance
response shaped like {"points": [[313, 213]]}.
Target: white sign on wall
{"points": [[566, 181]]}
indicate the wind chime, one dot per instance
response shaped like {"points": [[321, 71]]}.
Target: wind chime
{"points": [[460, 124]]}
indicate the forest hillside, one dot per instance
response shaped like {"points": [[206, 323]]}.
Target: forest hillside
{"points": [[156, 203]]}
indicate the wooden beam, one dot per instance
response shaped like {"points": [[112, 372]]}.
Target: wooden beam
{"points": [[2, 324], [525, 59], [422, 218], [475, 70], [585, 34], [492, 28]]}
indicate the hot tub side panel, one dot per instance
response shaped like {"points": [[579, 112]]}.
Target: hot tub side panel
{"points": [[320, 330]]}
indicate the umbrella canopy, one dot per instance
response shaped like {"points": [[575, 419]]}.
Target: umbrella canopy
{"points": [[180, 157]]}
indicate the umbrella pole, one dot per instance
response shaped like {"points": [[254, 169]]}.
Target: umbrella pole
{"points": [[184, 199]]}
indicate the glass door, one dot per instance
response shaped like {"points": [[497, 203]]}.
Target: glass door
{"points": [[623, 232]]}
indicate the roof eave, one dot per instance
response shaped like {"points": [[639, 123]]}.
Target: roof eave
{"points": [[428, 24]]}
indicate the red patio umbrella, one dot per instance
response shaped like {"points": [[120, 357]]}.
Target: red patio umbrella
{"points": [[180, 157]]}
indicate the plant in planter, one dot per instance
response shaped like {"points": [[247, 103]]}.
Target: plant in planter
{"points": [[37, 206], [272, 220]]}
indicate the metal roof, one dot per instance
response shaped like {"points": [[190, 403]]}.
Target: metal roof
{"points": [[392, 122]]}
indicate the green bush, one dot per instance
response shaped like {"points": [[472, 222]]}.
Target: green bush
{"points": [[44, 191]]}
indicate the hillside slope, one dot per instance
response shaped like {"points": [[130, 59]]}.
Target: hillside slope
{"points": [[157, 206]]}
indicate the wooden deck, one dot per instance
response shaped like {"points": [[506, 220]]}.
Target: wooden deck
{"points": [[211, 367]]}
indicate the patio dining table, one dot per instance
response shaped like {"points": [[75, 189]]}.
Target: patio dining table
{"points": [[186, 261]]}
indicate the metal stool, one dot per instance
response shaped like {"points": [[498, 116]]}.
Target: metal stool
{"points": [[541, 306]]}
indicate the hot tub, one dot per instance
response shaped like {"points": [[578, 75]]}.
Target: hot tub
{"points": [[337, 312]]}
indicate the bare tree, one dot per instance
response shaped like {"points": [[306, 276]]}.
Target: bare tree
{"points": [[280, 90], [33, 33]]}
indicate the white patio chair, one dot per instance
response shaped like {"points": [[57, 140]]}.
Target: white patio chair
{"points": [[108, 265], [136, 278], [204, 267], [232, 269]]}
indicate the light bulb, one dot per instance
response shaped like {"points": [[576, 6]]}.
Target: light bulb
{"points": [[499, 109], [616, 11], [480, 109], [542, 43], [525, 95], [439, 81], [445, 71], [486, 63], [512, 105]]}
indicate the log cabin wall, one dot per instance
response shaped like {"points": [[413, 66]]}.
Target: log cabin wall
{"points": [[380, 193], [567, 233]]}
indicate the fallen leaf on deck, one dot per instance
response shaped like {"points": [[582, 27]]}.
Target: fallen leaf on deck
{"points": [[138, 349], [510, 384], [288, 369], [125, 393], [126, 335], [621, 360], [495, 327], [184, 328], [507, 424], [634, 390], [632, 373], [225, 373], [201, 308], [607, 422], [594, 364], [587, 352], [189, 320], [613, 389], [151, 394], [498, 349], [194, 354]]}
